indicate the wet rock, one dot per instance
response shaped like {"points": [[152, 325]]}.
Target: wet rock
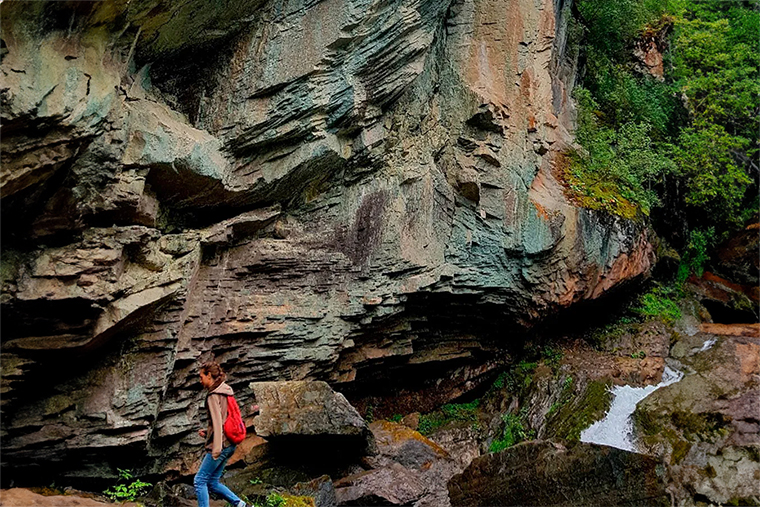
{"points": [[544, 473], [298, 409], [705, 426]]}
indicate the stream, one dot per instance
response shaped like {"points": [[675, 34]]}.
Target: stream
{"points": [[616, 429]]}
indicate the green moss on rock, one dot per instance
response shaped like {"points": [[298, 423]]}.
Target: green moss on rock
{"points": [[580, 411]]}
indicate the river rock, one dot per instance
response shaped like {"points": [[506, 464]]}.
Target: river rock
{"points": [[320, 489], [545, 473], [391, 485]]}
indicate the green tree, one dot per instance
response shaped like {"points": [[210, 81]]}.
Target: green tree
{"points": [[689, 141], [715, 183]]}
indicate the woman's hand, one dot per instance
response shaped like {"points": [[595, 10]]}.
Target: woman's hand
{"points": [[202, 433]]}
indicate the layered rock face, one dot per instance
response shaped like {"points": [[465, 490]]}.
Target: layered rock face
{"points": [[356, 192]]}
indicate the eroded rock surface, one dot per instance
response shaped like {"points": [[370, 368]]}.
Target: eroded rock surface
{"points": [[328, 190]]}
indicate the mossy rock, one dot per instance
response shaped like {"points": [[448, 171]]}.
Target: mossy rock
{"points": [[298, 501], [580, 411]]}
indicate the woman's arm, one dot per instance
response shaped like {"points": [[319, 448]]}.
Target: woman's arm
{"points": [[215, 409]]}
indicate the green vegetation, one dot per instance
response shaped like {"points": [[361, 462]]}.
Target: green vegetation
{"points": [[451, 412], [369, 413], [127, 490], [517, 377], [551, 356], [681, 145], [274, 499], [565, 397], [616, 171], [396, 418], [695, 254], [716, 65], [514, 432], [660, 302]]}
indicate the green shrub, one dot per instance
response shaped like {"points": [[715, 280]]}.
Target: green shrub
{"points": [[126, 491], [618, 166], [659, 303], [695, 254], [520, 376], [512, 433], [551, 356], [274, 499], [463, 412], [500, 381]]}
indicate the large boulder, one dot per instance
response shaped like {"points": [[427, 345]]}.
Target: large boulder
{"points": [[706, 426], [545, 473], [311, 413], [409, 469], [391, 485], [738, 258]]}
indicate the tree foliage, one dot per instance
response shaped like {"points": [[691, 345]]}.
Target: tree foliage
{"points": [[688, 142]]}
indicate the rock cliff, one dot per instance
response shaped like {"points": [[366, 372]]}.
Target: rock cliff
{"points": [[341, 190]]}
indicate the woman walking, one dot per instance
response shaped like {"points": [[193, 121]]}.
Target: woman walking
{"points": [[217, 444]]}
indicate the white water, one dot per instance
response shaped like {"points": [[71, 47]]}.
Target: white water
{"points": [[616, 429], [708, 344]]}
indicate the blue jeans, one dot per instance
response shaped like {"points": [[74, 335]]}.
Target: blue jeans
{"points": [[208, 476]]}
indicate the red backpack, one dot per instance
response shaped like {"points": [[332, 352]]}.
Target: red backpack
{"points": [[234, 427]]}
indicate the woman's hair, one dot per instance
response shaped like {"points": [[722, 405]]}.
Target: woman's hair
{"points": [[212, 368]]}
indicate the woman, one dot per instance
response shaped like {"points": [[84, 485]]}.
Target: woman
{"points": [[220, 449]]}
